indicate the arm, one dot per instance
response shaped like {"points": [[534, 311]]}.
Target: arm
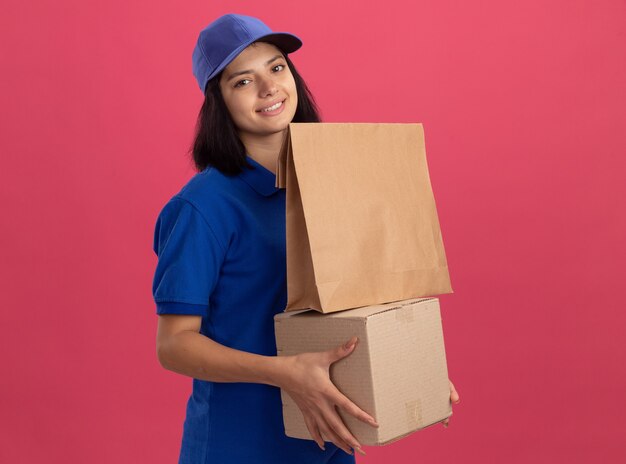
{"points": [[182, 349], [305, 377]]}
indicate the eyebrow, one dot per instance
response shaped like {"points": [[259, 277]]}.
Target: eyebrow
{"points": [[250, 71]]}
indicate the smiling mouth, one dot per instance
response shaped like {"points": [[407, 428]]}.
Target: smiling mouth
{"points": [[275, 106]]}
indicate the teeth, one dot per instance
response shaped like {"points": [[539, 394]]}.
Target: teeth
{"points": [[273, 107]]}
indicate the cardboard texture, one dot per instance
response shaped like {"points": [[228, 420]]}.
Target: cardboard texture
{"points": [[362, 227], [397, 372]]}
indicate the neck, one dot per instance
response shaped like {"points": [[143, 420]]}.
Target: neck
{"points": [[264, 149]]}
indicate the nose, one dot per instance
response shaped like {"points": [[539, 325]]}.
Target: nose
{"points": [[267, 87]]}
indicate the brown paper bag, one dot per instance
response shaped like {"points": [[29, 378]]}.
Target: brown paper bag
{"points": [[362, 227]]}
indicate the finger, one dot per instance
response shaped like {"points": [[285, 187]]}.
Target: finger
{"points": [[341, 351], [348, 406], [336, 424], [314, 431], [330, 434], [445, 422], [454, 395]]}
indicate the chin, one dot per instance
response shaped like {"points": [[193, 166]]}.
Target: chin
{"points": [[276, 125]]}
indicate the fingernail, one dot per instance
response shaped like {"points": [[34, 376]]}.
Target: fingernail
{"points": [[374, 423], [358, 448]]}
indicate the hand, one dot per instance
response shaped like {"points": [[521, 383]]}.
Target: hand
{"points": [[454, 398], [306, 379]]}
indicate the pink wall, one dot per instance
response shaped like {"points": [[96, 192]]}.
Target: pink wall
{"points": [[523, 108]]}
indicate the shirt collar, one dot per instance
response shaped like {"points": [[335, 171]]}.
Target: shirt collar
{"points": [[261, 179]]}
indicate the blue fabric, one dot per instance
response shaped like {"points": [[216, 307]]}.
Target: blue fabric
{"points": [[221, 248], [222, 41]]}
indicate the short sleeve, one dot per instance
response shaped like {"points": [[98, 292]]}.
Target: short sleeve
{"points": [[189, 260]]}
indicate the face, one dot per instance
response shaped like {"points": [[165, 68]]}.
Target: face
{"points": [[259, 90]]}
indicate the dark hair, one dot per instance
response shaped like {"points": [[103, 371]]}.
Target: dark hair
{"points": [[216, 141]]}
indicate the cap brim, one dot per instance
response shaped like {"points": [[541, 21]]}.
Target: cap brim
{"points": [[287, 42]]}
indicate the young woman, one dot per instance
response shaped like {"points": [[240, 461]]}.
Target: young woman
{"points": [[221, 273]]}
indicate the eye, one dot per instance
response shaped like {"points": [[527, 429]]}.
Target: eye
{"points": [[240, 83], [281, 66]]}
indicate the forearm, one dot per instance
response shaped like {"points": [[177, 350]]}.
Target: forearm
{"points": [[195, 355]]}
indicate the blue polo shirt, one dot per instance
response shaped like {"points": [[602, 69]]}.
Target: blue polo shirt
{"points": [[220, 244]]}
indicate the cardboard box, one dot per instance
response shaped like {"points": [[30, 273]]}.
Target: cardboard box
{"points": [[397, 372]]}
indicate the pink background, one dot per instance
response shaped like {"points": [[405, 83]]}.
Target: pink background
{"points": [[523, 108]]}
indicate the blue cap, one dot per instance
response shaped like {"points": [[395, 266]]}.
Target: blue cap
{"points": [[221, 41]]}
